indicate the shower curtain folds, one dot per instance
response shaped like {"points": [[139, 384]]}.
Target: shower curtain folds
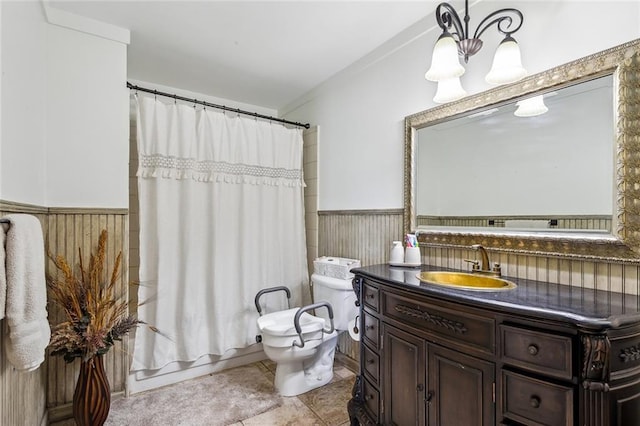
{"points": [[221, 217]]}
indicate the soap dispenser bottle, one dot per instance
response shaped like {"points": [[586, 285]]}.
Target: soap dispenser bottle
{"points": [[397, 253]]}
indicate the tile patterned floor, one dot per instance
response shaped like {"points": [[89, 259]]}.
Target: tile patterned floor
{"points": [[324, 406]]}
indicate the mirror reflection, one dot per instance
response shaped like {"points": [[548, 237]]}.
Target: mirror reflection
{"points": [[545, 168]]}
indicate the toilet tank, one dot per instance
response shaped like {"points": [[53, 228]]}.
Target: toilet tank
{"points": [[339, 293]]}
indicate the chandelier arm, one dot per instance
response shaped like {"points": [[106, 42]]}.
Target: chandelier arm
{"points": [[506, 18], [449, 17]]}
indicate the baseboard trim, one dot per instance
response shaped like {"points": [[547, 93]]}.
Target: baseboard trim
{"points": [[360, 212], [180, 371], [14, 207], [348, 362], [87, 210]]}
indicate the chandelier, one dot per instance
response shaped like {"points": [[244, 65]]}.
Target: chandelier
{"points": [[456, 42]]}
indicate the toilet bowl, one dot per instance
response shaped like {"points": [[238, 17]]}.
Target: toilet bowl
{"points": [[303, 345]]}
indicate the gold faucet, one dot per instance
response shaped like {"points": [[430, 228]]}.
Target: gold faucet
{"points": [[483, 267]]}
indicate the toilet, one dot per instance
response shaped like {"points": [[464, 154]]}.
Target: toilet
{"points": [[304, 355]]}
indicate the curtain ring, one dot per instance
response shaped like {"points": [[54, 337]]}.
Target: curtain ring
{"points": [[155, 95], [194, 103]]}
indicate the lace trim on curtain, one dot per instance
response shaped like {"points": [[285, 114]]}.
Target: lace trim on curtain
{"points": [[216, 171]]}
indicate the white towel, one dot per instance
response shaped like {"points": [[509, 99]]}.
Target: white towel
{"points": [[26, 303]]}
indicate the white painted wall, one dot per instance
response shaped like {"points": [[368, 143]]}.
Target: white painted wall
{"points": [[23, 103], [65, 113], [87, 123], [362, 109]]}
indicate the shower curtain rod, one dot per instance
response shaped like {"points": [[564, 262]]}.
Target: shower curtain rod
{"points": [[222, 107]]}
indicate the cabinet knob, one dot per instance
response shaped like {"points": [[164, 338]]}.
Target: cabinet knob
{"points": [[533, 349], [420, 387], [369, 327], [427, 398], [370, 295], [534, 401], [370, 361], [368, 397]]}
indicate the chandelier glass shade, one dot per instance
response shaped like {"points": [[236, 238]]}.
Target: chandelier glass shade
{"points": [[507, 64], [456, 42], [449, 90], [444, 62]]}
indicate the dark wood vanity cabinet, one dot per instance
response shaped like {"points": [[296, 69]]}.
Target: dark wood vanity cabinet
{"points": [[405, 390], [451, 358]]}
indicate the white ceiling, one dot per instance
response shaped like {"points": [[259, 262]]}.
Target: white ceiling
{"points": [[265, 53]]}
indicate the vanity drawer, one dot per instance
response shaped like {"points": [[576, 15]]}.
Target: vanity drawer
{"points": [[371, 363], [465, 328], [371, 328], [535, 402], [371, 398], [536, 351], [625, 352], [370, 296]]}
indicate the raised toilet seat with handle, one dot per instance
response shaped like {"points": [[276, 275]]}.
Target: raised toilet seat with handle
{"points": [[303, 323], [301, 344]]}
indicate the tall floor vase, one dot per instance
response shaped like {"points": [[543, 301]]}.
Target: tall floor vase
{"points": [[92, 396]]}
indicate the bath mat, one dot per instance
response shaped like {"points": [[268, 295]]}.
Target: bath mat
{"points": [[219, 399]]}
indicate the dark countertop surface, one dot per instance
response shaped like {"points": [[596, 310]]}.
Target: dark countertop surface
{"points": [[584, 307]]}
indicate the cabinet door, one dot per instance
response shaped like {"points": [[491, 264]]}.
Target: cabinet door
{"points": [[403, 378], [625, 406], [460, 389]]}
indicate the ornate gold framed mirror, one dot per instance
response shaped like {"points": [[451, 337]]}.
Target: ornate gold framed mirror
{"points": [[618, 240]]}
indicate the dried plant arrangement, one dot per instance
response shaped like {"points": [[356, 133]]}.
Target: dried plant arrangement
{"points": [[96, 317]]}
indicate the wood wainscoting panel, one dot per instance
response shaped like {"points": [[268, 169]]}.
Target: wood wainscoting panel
{"points": [[359, 234], [365, 235], [29, 398], [70, 232]]}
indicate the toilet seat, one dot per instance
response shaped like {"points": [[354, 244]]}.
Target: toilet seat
{"points": [[278, 330]]}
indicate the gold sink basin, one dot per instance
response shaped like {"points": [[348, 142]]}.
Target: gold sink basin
{"points": [[465, 281]]}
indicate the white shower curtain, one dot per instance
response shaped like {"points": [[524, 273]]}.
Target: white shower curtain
{"points": [[221, 217]]}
